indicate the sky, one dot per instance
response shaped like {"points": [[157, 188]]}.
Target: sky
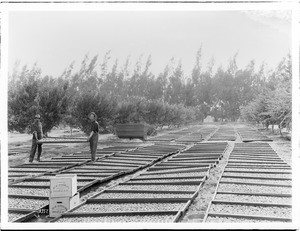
{"points": [[54, 39]]}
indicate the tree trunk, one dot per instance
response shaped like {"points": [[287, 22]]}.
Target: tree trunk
{"points": [[267, 125], [280, 129]]}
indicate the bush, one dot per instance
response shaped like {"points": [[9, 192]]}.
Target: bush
{"points": [[154, 112], [129, 112], [100, 104]]}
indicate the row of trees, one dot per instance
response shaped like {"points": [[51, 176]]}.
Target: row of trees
{"points": [[136, 110], [119, 95], [273, 105]]}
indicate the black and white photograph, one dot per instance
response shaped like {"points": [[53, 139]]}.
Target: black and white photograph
{"points": [[160, 114]]}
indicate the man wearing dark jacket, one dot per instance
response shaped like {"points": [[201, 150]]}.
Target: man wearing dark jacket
{"points": [[37, 132], [93, 137]]}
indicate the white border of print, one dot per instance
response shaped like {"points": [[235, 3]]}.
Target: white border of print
{"points": [[159, 5]]}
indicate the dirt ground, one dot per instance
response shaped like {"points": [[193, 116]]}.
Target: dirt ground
{"points": [[198, 207], [21, 144]]}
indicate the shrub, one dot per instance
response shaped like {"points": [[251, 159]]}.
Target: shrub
{"points": [[100, 104]]}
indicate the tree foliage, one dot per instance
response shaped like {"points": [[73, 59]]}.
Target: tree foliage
{"points": [[29, 94], [274, 105], [172, 98]]}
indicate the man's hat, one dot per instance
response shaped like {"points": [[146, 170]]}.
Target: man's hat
{"points": [[94, 114], [37, 116]]}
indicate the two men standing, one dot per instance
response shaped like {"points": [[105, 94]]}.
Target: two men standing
{"points": [[37, 132]]}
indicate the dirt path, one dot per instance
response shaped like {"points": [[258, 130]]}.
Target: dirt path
{"points": [[197, 209]]}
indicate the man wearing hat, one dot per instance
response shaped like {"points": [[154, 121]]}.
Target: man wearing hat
{"points": [[93, 137], [37, 132]]}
